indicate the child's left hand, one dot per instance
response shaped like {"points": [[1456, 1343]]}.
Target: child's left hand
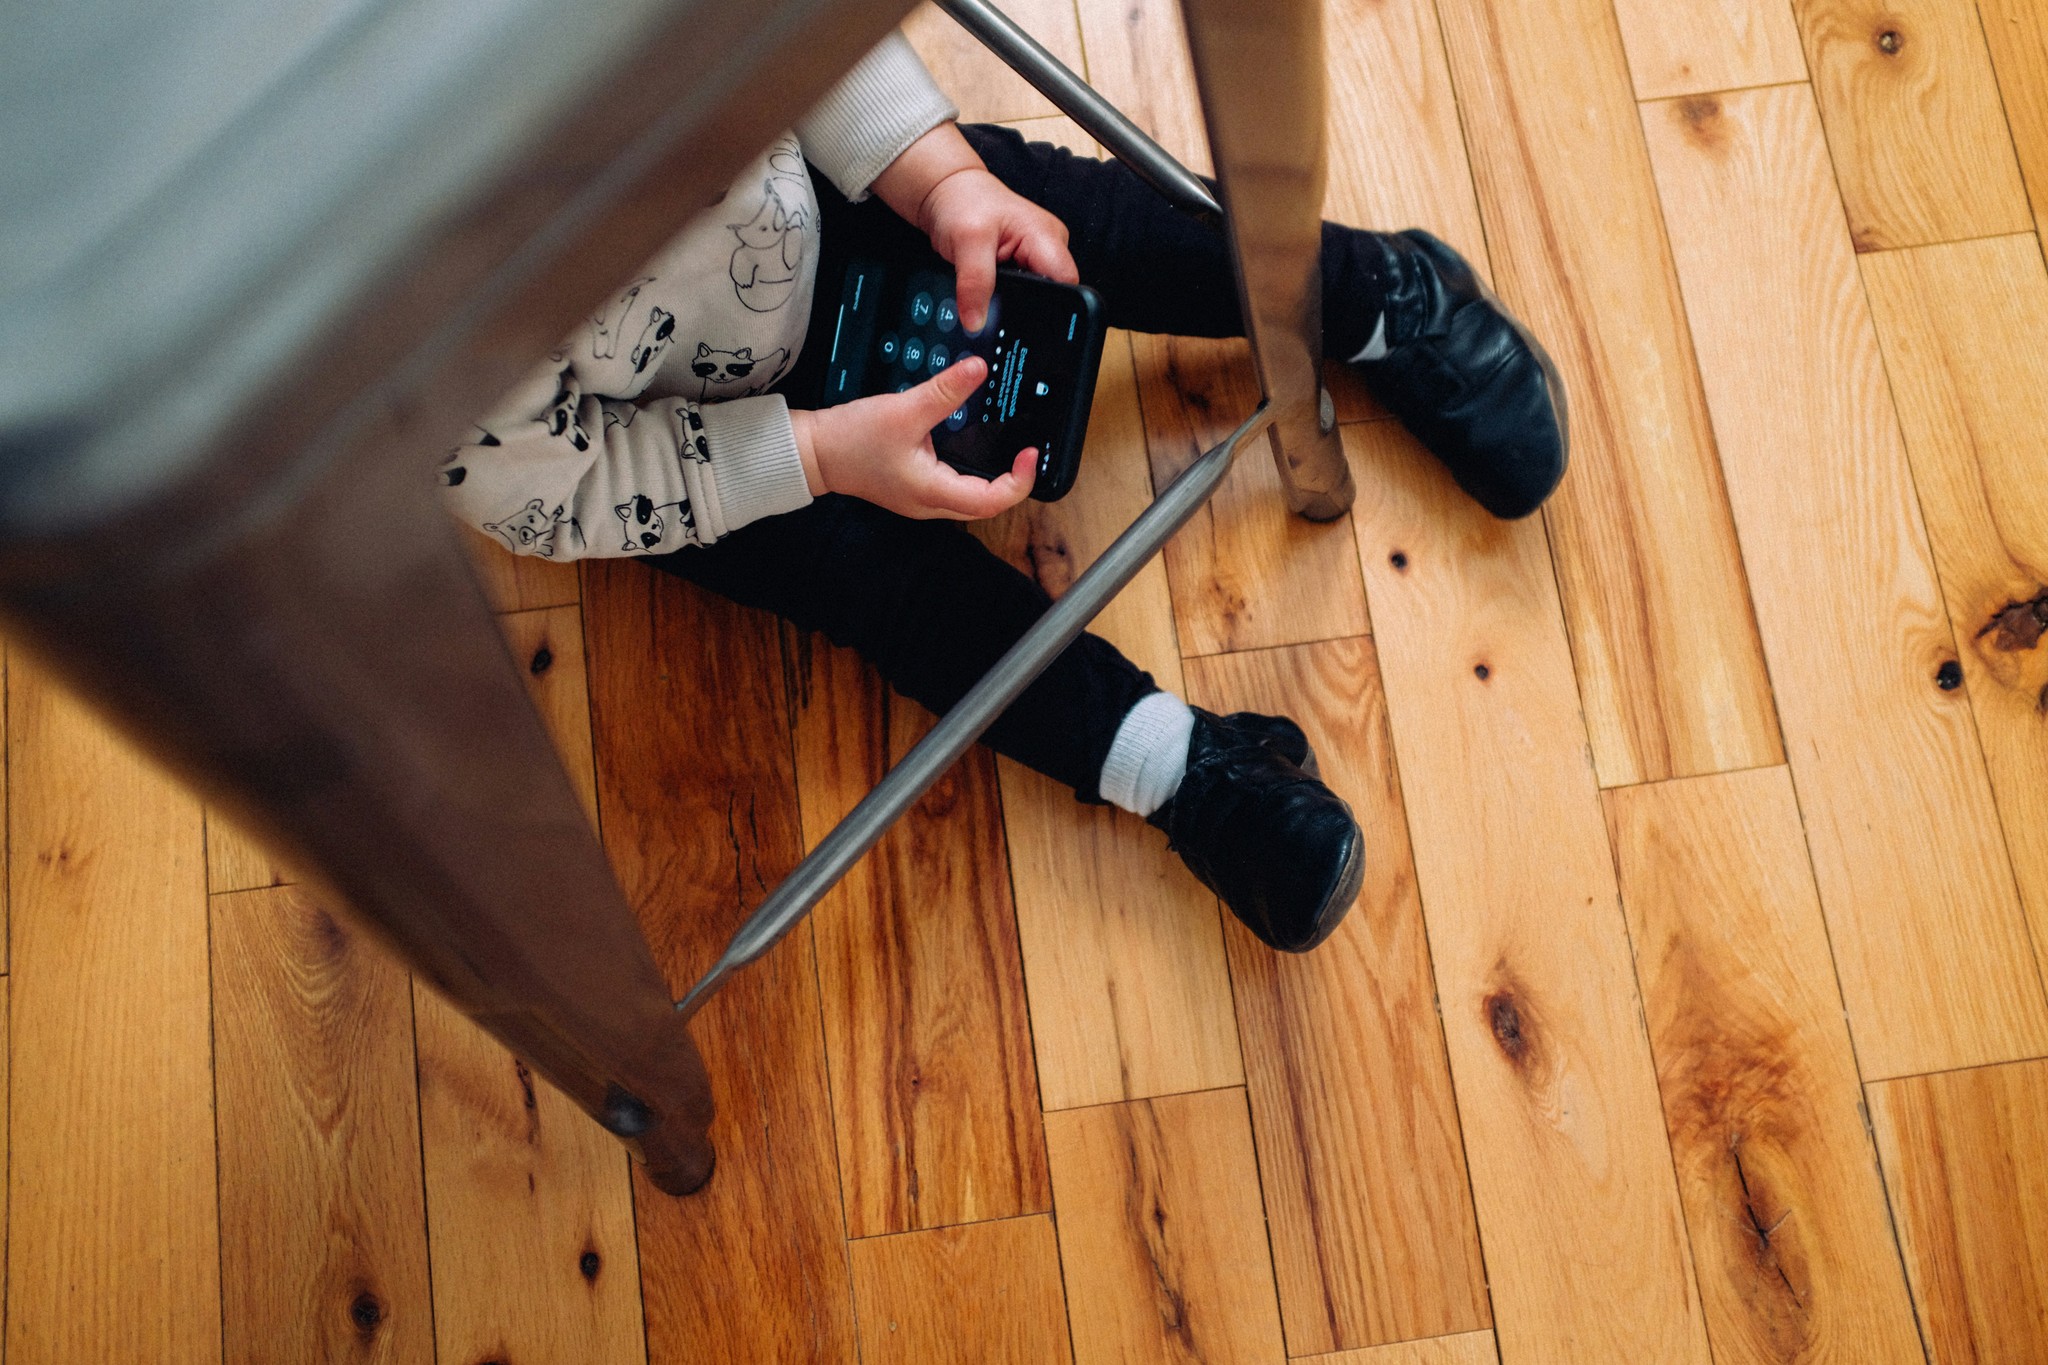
{"points": [[973, 219]]}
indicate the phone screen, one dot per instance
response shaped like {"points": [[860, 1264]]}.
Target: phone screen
{"points": [[896, 327]]}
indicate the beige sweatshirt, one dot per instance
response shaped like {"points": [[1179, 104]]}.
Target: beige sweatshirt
{"points": [[652, 428]]}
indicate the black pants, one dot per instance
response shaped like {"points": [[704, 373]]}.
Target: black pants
{"points": [[923, 601]]}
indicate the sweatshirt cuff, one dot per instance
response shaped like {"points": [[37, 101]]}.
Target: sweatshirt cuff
{"points": [[870, 118], [755, 464]]}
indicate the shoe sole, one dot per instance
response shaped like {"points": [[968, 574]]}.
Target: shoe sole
{"points": [[1342, 896]]}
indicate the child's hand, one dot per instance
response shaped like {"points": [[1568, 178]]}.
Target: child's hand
{"points": [[973, 219], [880, 449]]}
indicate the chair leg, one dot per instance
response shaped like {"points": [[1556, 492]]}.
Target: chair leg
{"points": [[1266, 136], [333, 676]]}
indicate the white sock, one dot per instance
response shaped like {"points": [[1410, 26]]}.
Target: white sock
{"points": [[1149, 756], [1376, 348]]}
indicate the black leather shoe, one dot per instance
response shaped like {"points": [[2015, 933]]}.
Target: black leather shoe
{"points": [[1277, 733], [1464, 375], [1278, 846]]}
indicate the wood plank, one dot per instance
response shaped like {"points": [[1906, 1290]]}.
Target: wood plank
{"points": [[538, 638], [1396, 148], [1790, 1235], [1360, 1155], [1245, 572], [1670, 673], [519, 582], [547, 645], [987, 1292], [236, 861], [1712, 45], [697, 794], [1928, 935], [934, 1095], [1123, 948], [1467, 1348], [1921, 148], [1138, 59], [6, 936], [322, 1212], [1966, 1159], [6, 1052], [1965, 330], [529, 1208], [113, 1245], [1556, 1089], [986, 90], [1160, 1231], [531, 1202], [2016, 33]]}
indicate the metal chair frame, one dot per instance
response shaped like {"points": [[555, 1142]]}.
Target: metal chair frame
{"points": [[262, 349]]}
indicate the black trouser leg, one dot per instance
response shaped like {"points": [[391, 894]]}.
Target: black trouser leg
{"points": [[932, 609], [1158, 269]]}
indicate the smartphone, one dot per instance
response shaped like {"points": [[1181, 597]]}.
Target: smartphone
{"points": [[898, 324]]}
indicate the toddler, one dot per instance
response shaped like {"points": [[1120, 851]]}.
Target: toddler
{"points": [[680, 427]]}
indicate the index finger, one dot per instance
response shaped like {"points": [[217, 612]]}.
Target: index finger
{"points": [[974, 268]]}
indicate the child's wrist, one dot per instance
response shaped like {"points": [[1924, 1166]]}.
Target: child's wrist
{"points": [[804, 426], [908, 181]]}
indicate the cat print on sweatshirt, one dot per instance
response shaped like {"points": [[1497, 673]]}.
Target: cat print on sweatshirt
{"points": [[647, 523], [736, 374], [560, 416], [765, 263], [654, 339], [606, 326], [532, 530]]}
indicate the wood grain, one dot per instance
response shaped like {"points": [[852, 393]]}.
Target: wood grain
{"points": [[113, 1218], [1245, 572], [539, 638], [2016, 32], [1396, 148], [529, 1209], [1138, 60], [1965, 330], [237, 861], [532, 1204], [1710, 45], [1669, 670], [1920, 144], [986, 1292], [1556, 1089], [697, 794], [1360, 1156], [1790, 1235], [1966, 1159], [6, 1051], [322, 1211], [1160, 1233], [1123, 950], [1467, 1348], [1928, 935], [919, 976], [547, 646], [519, 582], [986, 90]]}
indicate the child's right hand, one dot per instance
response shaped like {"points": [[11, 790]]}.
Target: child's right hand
{"points": [[880, 449]]}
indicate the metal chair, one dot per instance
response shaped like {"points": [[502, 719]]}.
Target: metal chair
{"points": [[235, 332]]}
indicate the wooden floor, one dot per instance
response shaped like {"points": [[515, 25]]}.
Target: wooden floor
{"points": [[1693, 1009]]}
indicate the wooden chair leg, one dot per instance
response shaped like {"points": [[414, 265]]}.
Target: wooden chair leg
{"points": [[334, 678], [1266, 136]]}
